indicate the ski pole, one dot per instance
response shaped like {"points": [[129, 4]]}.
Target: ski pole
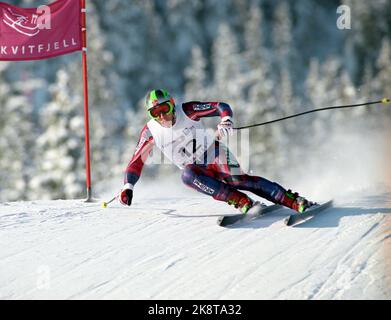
{"points": [[104, 203], [384, 101]]}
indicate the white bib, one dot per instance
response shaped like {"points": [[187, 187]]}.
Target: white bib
{"points": [[183, 143]]}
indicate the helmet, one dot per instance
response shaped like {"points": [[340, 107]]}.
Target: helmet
{"points": [[156, 97]]}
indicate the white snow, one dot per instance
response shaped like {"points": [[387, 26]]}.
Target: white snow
{"points": [[167, 246]]}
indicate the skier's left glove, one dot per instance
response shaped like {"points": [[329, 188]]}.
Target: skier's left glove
{"points": [[126, 195], [225, 127]]}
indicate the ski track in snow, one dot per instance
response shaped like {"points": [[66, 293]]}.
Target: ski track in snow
{"points": [[171, 248]]}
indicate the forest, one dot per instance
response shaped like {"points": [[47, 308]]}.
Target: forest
{"points": [[266, 59]]}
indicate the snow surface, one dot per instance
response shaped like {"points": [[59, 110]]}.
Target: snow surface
{"points": [[169, 247]]}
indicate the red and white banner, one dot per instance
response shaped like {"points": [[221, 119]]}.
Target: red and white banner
{"points": [[40, 33]]}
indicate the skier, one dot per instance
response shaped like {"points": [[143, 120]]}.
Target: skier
{"points": [[208, 166]]}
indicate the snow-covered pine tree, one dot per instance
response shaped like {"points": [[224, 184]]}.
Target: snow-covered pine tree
{"points": [[382, 81], [230, 79], [226, 65], [256, 55], [370, 25], [195, 75], [107, 115], [60, 158], [17, 135], [128, 20], [263, 140], [286, 55], [4, 163], [291, 130], [347, 95], [282, 38], [253, 38], [366, 89], [367, 92], [322, 85]]}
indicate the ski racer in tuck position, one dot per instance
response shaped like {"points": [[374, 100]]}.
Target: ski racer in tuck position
{"points": [[207, 165]]}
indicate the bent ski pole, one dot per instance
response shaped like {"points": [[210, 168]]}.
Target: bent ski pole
{"points": [[384, 101], [104, 203]]}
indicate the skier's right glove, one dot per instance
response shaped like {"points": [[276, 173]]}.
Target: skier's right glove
{"points": [[126, 195]]}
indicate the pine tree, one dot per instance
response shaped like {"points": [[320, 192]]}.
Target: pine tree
{"points": [[286, 55], [263, 140], [195, 86], [383, 64], [316, 93], [282, 38], [226, 65], [16, 142], [253, 39], [328, 85], [367, 92], [107, 115], [60, 172], [131, 21], [370, 25], [347, 94], [291, 129]]}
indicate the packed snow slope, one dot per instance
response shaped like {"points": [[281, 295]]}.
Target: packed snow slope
{"points": [[167, 246]]}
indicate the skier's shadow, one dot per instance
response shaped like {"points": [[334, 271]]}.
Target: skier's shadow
{"points": [[329, 218]]}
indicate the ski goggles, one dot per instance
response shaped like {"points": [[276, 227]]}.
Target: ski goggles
{"points": [[163, 108]]}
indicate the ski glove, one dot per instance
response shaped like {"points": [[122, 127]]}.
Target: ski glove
{"points": [[126, 195], [225, 127]]}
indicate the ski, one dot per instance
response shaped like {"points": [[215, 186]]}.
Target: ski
{"points": [[263, 209], [294, 219]]}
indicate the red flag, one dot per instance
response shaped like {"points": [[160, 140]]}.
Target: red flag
{"points": [[39, 33]]}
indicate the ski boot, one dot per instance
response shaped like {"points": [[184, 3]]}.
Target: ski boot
{"points": [[240, 201], [295, 202]]}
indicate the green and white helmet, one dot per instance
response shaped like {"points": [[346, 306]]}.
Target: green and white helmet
{"points": [[156, 97]]}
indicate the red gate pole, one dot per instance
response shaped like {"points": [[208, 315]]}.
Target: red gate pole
{"points": [[85, 92]]}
